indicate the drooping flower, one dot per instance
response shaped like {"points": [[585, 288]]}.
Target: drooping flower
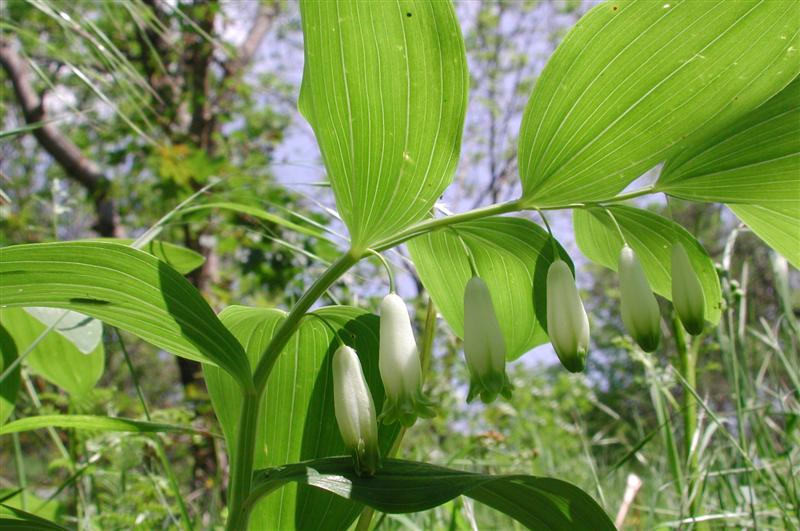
{"points": [[400, 367], [567, 323], [639, 306], [484, 346], [355, 411], [687, 293]]}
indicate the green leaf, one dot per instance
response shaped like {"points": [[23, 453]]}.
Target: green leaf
{"points": [[754, 160], [385, 90], [82, 331], [182, 260], [778, 226], [754, 166], [54, 357], [634, 80], [406, 486], [300, 423], [9, 387], [19, 520], [123, 287], [93, 423], [512, 256], [651, 237], [50, 510]]}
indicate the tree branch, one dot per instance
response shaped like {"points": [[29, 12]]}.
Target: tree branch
{"points": [[267, 11], [65, 153]]}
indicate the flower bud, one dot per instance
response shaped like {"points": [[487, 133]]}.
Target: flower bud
{"points": [[484, 346], [567, 323], [355, 411], [639, 306], [400, 366], [687, 293]]}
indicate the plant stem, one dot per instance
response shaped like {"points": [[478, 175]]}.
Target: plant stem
{"points": [[242, 462], [242, 459], [688, 369], [292, 321]]}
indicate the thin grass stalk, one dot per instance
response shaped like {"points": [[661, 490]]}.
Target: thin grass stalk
{"points": [[159, 446]]}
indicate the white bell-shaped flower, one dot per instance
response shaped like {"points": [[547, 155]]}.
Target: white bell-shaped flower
{"points": [[567, 323], [484, 346], [687, 293], [355, 411], [640, 312], [400, 366]]}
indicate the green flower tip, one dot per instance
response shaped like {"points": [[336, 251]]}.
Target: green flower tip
{"points": [[640, 312], [567, 322], [400, 366], [355, 411], [484, 345], [687, 292]]}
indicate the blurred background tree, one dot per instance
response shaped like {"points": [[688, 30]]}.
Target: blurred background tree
{"points": [[114, 113]]}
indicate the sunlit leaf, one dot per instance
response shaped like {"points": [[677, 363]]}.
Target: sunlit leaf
{"points": [[93, 423], [299, 422], [385, 90], [632, 82], [54, 357], [123, 287], [651, 237], [754, 166], [19, 520], [407, 486], [82, 331], [181, 259], [754, 160], [512, 255], [778, 226]]}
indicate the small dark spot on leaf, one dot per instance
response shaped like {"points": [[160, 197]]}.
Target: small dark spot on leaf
{"points": [[408, 14], [614, 8], [96, 302]]}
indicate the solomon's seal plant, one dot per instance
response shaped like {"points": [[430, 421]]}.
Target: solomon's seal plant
{"points": [[400, 367], [567, 323], [484, 345], [385, 90], [687, 293], [640, 312], [355, 411]]}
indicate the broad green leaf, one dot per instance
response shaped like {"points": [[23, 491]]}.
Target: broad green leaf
{"points": [[385, 90], [123, 287], [298, 422], [651, 237], [407, 486], [181, 259], [754, 160], [19, 520], [778, 226], [754, 166], [93, 423], [512, 255], [50, 510], [82, 331], [634, 80], [54, 357], [9, 387]]}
